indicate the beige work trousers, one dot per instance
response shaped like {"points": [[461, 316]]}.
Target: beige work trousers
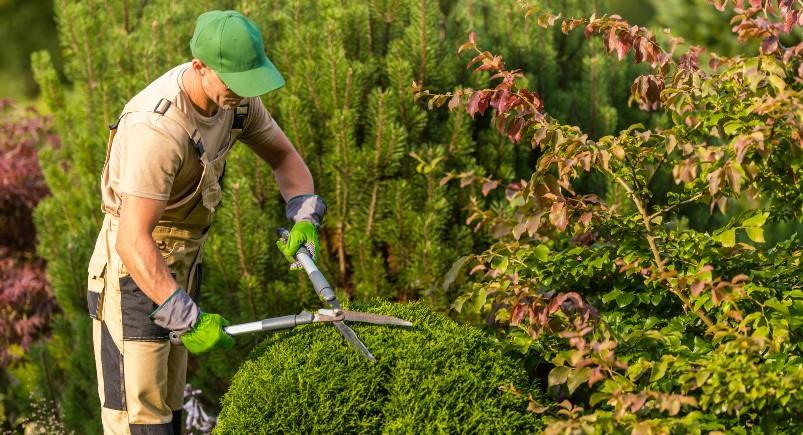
{"points": [[141, 374]]}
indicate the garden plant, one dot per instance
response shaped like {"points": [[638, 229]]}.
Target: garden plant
{"points": [[435, 377], [26, 300], [649, 325]]}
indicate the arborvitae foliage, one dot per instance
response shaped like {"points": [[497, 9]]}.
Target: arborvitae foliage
{"points": [[436, 377], [378, 157]]}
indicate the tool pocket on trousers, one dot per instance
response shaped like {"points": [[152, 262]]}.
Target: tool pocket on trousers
{"points": [[170, 248], [96, 285], [136, 308]]}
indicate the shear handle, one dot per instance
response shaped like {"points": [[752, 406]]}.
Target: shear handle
{"points": [[319, 282]]}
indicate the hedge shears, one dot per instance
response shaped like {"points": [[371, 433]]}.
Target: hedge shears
{"points": [[334, 314]]}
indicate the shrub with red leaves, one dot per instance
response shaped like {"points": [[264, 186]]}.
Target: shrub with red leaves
{"points": [[26, 300]]}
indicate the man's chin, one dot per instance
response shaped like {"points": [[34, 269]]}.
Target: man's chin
{"points": [[229, 104]]}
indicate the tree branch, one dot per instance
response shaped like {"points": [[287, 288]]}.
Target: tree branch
{"points": [[659, 263]]}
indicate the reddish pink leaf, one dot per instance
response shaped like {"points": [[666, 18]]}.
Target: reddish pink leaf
{"points": [[611, 41], [638, 402], [515, 129], [713, 181], [476, 269], [596, 376], [769, 45], [478, 102], [488, 186], [454, 102], [697, 288], [517, 314], [623, 47], [739, 278], [588, 30]]}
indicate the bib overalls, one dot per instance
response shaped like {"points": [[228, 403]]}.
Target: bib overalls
{"points": [[141, 375]]}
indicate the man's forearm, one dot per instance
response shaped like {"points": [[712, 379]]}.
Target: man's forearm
{"points": [[145, 264], [293, 176], [291, 173]]}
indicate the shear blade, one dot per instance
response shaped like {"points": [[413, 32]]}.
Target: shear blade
{"points": [[351, 337], [376, 319]]}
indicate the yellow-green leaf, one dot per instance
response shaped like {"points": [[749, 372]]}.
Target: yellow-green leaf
{"points": [[732, 127], [541, 252], [756, 234], [479, 300], [577, 377], [658, 371], [727, 237], [777, 83], [457, 305], [558, 375], [756, 221]]}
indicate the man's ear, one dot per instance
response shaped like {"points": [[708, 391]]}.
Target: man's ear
{"points": [[198, 66]]}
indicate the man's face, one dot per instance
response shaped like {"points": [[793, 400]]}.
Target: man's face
{"points": [[217, 91]]}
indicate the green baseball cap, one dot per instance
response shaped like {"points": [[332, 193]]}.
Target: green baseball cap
{"points": [[231, 45]]}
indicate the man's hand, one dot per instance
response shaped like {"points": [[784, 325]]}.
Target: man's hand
{"points": [[198, 331], [307, 212], [207, 334], [305, 233]]}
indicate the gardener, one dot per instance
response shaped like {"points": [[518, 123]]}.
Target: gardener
{"points": [[160, 186]]}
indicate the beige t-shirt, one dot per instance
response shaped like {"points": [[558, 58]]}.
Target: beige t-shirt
{"points": [[151, 155]]}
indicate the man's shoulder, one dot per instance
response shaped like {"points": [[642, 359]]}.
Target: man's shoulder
{"points": [[150, 108], [165, 87], [139, 127]]}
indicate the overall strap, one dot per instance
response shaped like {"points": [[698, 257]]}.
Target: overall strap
{"points": [[112, 133], [238, 122], [167, 109]]}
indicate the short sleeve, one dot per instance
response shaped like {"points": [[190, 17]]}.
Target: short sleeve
{"points": [[150, 157], [260, 127]]}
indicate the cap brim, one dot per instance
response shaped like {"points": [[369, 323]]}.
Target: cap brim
{"points": [[255, 82]]}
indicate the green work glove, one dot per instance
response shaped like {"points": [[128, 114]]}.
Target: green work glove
{"points": [[207, 334], [303, 232], [198, 331], [307, 212]]}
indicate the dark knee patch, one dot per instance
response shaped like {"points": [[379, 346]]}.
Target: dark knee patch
{"points": [[136, 308], [111, 361], [92, 302], [177, 423], [152, 429]]}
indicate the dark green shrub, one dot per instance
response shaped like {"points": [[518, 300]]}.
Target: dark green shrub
{"points": [[437, 377]]}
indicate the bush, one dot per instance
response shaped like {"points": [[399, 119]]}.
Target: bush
{"points": [[436, 377], [26, 300], [647, 323]]}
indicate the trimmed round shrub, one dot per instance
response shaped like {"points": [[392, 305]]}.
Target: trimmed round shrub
{"points": [[436, 377]]}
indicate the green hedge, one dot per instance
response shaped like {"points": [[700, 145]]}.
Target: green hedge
{"points": [[437, 377]]}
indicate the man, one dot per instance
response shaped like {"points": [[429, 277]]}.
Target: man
{"points": [[160, 186]]}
